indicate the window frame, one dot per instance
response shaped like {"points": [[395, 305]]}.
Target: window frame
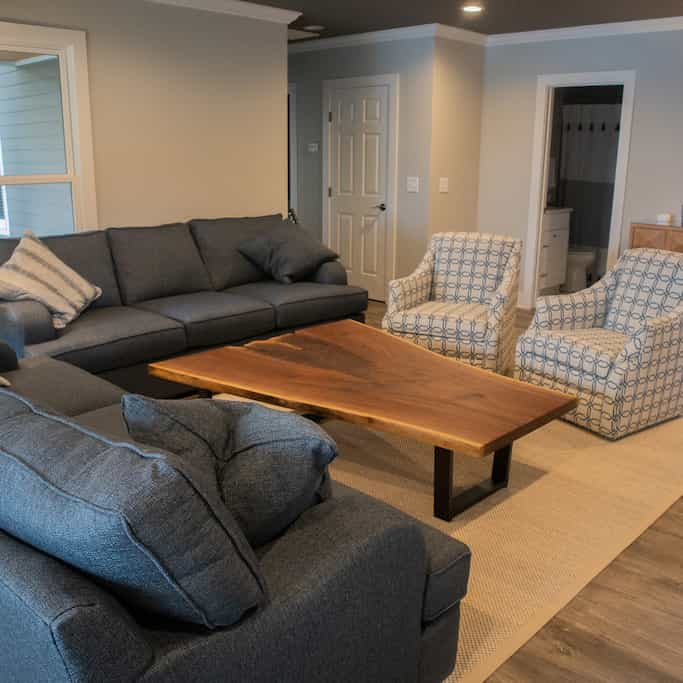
{"points": [[70, 46]]}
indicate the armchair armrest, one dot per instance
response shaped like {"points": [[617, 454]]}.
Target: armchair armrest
{"points": [[503, 302], [412, 290], [25, 322], [330, 273], [658, 341], [579, 311]]}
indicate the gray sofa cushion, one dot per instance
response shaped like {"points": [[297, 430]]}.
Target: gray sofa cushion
{"points": [[212, 318], [330, 273], [287, 253], [61, 387], [107, 421], [218, 241], [271, 465], [156, 262], [88, 254], [147, 524], [115, 337], [306, 303]]}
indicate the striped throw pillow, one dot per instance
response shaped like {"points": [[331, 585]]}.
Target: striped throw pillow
{"points": [[34, 273]]}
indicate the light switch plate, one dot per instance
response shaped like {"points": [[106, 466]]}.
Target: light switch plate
{"points": [[413, 184], [313, 147], [443, 185]]}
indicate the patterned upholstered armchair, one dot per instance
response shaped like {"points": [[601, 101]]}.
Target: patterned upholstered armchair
{"points": [[461, 299], [618, 346]]}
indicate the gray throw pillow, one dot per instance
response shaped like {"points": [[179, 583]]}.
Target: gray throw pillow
{"points": [[271, 466], [287, 253], [148, 524]]}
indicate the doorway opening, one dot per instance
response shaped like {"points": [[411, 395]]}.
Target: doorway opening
{"points": [[580, 163]]}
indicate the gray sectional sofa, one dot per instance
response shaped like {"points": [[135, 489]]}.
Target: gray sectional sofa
{"points": [[357, 591], [172, 289]]}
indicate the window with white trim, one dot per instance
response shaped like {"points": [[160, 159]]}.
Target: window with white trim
{"points": [[46, 167]]}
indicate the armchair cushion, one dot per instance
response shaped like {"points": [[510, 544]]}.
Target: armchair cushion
{"points": [[577, 356], [442, 320]]}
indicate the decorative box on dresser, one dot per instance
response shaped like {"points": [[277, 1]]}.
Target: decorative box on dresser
{"points": [[649, 236]]}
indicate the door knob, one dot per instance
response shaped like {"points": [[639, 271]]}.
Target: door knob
{"points": [[381, 207]]}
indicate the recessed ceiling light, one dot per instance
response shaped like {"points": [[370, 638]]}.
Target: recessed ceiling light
{"points": [[314, 27], [472, 8]]}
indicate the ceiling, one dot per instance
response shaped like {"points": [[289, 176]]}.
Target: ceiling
{"points": [[343, 17]]}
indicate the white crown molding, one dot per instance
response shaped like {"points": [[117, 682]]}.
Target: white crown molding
{"points": [[238, 8], [461, 35], [390, 35], [623, 28]]}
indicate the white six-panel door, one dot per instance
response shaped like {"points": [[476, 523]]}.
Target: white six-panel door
{"points": [[358, 193]]}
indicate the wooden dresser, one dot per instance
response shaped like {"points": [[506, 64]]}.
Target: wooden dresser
{"points": [[644, 235]]}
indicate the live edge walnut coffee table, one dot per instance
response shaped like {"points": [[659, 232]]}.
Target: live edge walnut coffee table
{"points": [[352, 372]]}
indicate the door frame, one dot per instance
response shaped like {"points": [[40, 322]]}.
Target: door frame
{"points": [[293, 149], [539, 166], [393, 82]]}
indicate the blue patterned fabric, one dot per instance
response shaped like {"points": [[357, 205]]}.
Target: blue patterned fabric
{"points": [[461, 299], [618, 346]]}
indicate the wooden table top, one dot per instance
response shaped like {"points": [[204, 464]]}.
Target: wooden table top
{"points": [[359, 374]]}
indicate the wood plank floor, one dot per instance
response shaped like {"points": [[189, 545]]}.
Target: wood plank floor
{"points": [[625, 626]]}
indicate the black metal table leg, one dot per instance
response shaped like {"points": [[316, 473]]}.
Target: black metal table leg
{"points": [[446, 505]]}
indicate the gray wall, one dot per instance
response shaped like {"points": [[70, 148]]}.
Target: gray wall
{"points": [[655, 175], [413, 61], [189, 108], [32, 139]]}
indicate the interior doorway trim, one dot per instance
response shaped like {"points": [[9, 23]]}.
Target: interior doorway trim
{"points": [[539, 168], [393, 82], [293, 149]]}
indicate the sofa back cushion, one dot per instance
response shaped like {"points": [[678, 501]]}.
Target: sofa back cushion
{"points": [[87, 253], [148, 525], [648, 283], [469, 266], [219, 241], [156, 262]]}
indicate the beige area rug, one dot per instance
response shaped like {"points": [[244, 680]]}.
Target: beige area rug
{"points": [[575, 502]]}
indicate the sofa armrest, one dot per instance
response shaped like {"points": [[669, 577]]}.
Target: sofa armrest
{"points": [[330, 273], [28, 322], [346, 584], [59, 626]]}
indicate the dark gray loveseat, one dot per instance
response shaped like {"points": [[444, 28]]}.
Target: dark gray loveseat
{"points": [[359, 592], [172, 289]]}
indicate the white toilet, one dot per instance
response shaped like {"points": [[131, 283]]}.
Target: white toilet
{"points": [[580, 261]]}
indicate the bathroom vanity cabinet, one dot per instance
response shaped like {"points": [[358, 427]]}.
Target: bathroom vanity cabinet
{"points": [[552, 270], [647, 236]]}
